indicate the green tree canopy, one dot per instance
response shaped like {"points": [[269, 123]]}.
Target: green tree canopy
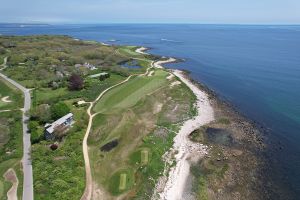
{"points": [[59, 110]]}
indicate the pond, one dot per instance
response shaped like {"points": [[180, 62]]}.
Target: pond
{"points": [[133, 64], [109, 146]]}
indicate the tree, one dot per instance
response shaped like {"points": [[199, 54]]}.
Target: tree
{"points": [[59, 110], [75, 82]]}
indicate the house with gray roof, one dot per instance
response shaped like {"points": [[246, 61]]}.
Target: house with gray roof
{"points": [[60, 125]]}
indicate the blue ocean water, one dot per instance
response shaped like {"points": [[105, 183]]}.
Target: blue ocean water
{"points": [[256, 68]]}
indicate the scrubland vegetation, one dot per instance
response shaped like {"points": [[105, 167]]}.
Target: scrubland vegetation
{"points": [[10, 136], [134, 127], [59, 69]]}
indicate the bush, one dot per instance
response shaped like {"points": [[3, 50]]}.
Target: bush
{"points": [[93, 55], [36, 136], [53, 147], [41, 113], [59, 110], [2, 51], [33, 125]]}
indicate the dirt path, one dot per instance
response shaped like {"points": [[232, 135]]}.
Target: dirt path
{"points": [[89, 183], [4, 64], [10, 176], [2, 111], [87, 195]]}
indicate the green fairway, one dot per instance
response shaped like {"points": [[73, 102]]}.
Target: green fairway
{"points": [[129, 50], [128, 94]]}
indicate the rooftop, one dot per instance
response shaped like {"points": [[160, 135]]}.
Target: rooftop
{"points": [[58, 122]]}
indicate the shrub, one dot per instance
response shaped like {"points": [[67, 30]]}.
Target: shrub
{"points": [[36, 136], [53, 147], [59, 110], [41, 113], [33, 125], [2, 51]]}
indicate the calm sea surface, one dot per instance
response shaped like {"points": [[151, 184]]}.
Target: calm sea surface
{"points": [[256, 68]]}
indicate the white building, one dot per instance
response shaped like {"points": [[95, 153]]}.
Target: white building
{"points": [[61, 124]]}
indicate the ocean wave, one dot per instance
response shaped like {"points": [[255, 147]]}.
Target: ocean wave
{"points": [[167, 40]]}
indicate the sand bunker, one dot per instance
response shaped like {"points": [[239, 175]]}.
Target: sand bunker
{"points": [[170, 77], [10, 176], [175, 83], [6, 99]]}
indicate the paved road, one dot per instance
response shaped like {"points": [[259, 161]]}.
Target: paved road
{"points": [[26, 161]]}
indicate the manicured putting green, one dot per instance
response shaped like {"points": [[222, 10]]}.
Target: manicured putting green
{"points": [[123, 181], [145, 157], [131, 92]]}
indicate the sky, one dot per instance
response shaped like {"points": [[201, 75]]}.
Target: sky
{"points": [[151, 11]]}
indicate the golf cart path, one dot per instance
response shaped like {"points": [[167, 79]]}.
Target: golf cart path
{"points": [[4, 64], [87, 195]]}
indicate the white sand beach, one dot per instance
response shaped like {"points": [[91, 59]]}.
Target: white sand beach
{"points": [[172, 187], [142, 50], [159, 64]]}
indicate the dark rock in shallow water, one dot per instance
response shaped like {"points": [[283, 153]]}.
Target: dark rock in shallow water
{"points": [[109, 146]]}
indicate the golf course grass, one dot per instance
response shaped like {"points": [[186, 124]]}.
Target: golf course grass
{"points": [[141, 157], [128, 94], [121, 181], [140, 116]]}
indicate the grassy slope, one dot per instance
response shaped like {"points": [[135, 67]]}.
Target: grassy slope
{"points": [[131, 92], [6, 89], [128, 115], [12, 120], [48, 95], [11, 136]]}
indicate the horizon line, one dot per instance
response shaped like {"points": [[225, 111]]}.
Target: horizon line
{"points": [[151, 23]]}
